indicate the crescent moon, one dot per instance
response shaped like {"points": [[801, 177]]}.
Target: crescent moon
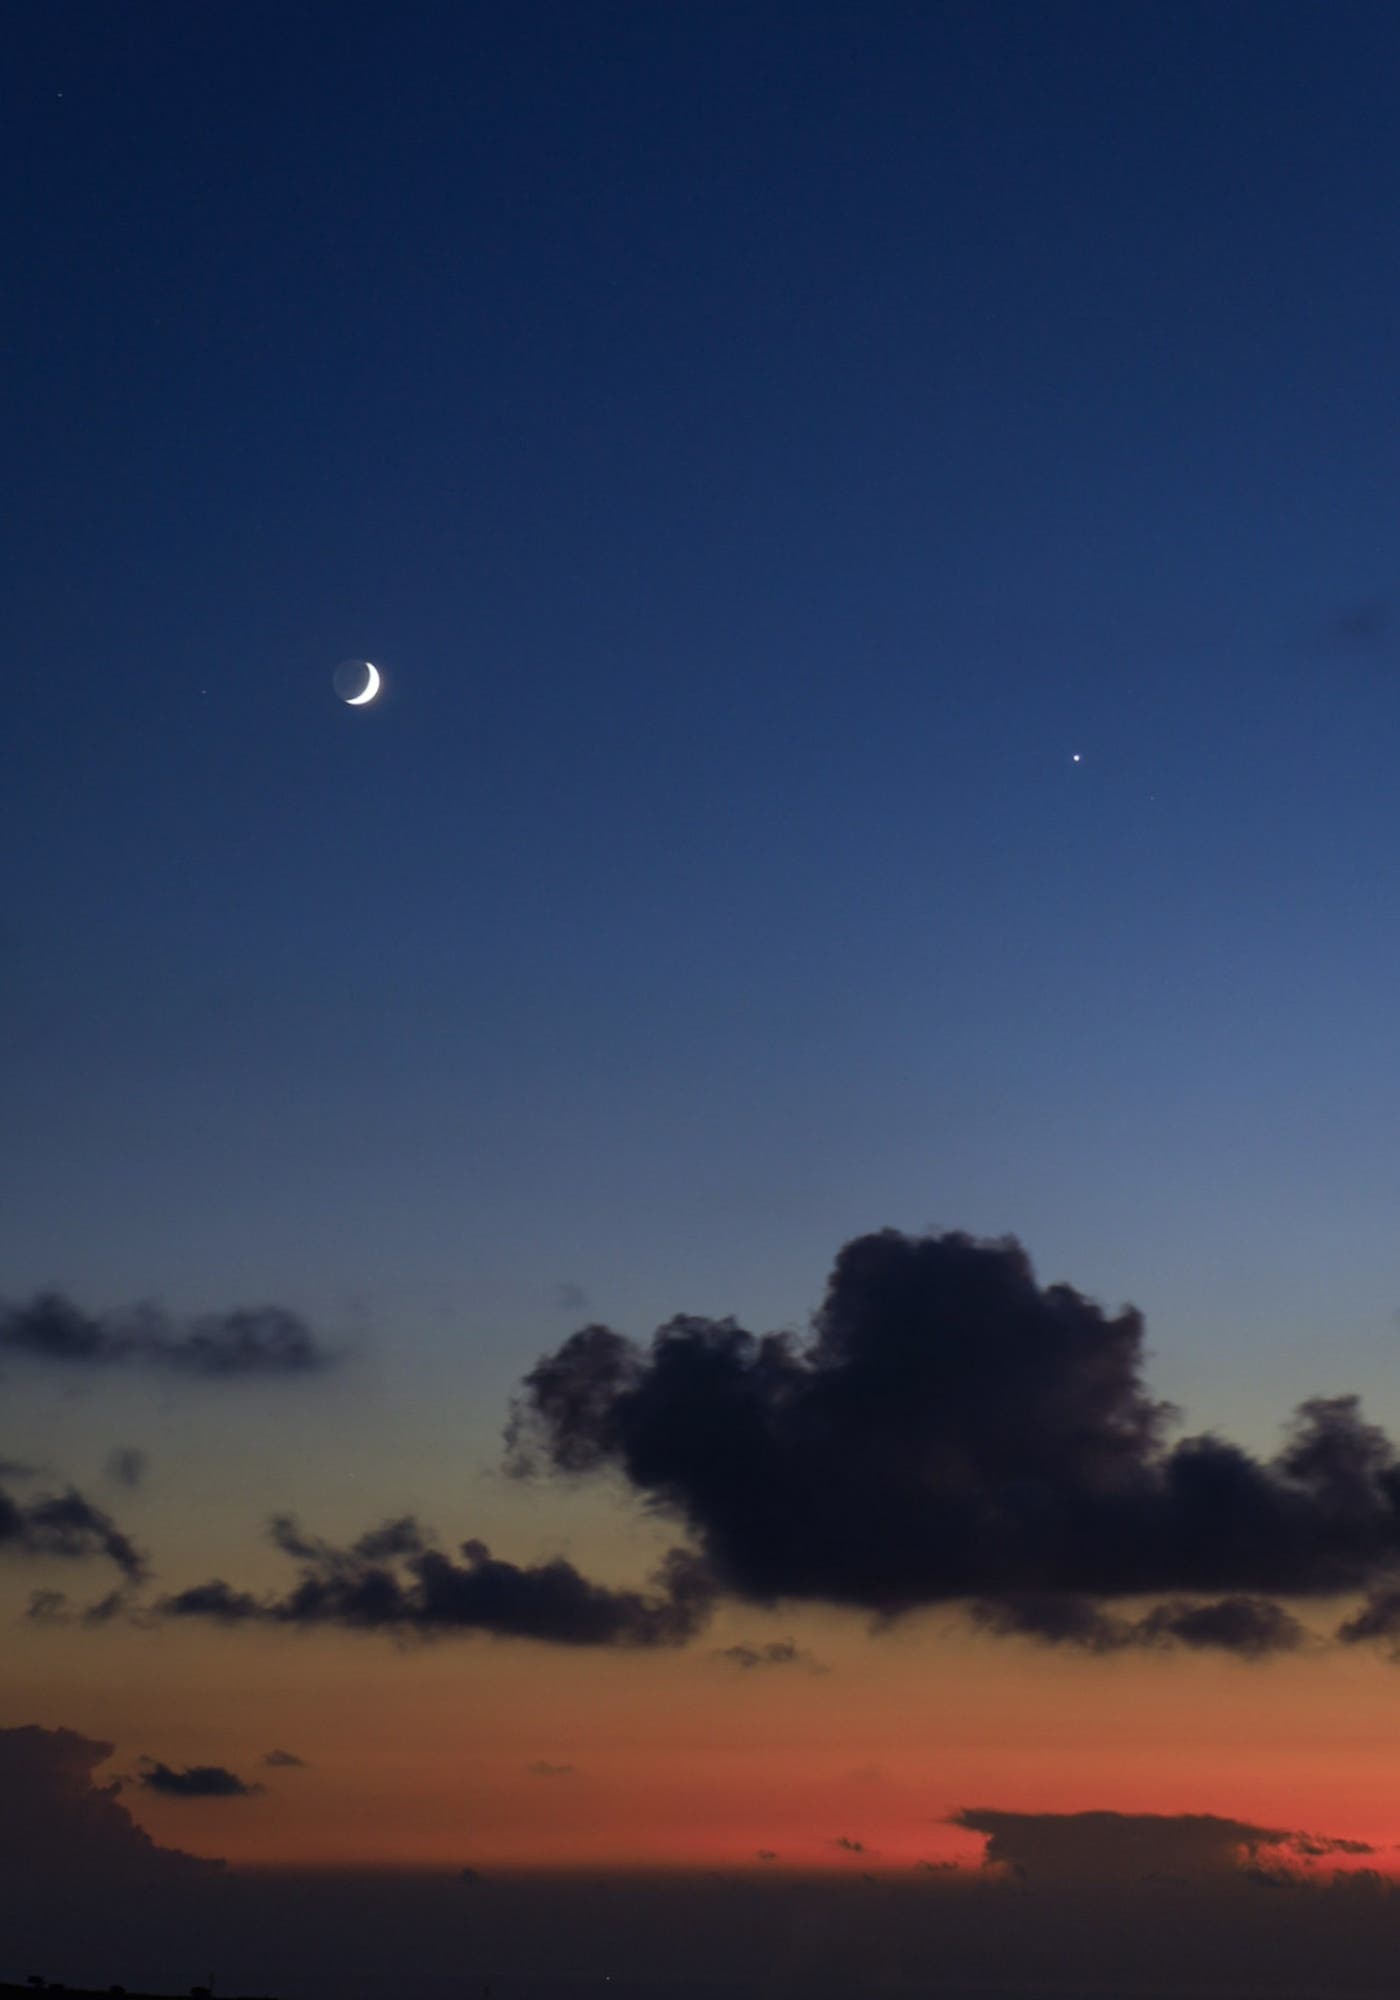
{"points": [[371, 688]]}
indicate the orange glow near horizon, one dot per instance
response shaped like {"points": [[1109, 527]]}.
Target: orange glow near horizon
{"points": [[455, 1756]]}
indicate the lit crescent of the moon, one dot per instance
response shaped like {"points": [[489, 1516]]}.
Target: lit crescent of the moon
{"points": [[371, 687]]}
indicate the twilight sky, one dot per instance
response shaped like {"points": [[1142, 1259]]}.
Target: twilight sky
{"points": [[879, 526]]}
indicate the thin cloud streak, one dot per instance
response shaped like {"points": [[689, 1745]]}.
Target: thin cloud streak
{"points": [[245, 1344]]}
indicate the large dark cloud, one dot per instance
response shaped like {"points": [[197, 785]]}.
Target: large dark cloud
{"points": [[951, 1430], [1108, 1847], [56, 1823], [395, 1580], [69, 1526], [249, 1342], [196, 1781]]}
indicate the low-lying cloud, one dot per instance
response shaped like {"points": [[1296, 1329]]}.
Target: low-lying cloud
{"points": [[59, 1825], [395, 1580], [1108, 1847], [249, 1342]]}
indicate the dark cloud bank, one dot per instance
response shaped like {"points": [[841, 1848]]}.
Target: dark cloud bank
{"points": [[954, 1432], [249, 1342]]}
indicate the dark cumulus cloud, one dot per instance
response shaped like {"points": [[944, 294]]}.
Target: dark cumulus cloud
{"points": [[66, 1525], [849, 1846], [1184, 1848], [60, 1828], [951, 1430], [776, 1653], [284, 1760], [196, 1781], [395, 1580], [250, 1342]]}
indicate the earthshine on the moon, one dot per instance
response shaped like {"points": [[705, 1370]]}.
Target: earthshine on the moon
{"points": [[356, 682]]}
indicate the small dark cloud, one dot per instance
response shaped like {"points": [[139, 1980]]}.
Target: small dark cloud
{"points": [[1365, 624], [49, 1607], [15, 1468], [395, 1580], [472, 1877], [951, 1431], [196, 1781], [1378, 1619], [766, 1854], [850, 1846], [126, 1465], [56, 1607], [542, 1768], [777, 1653], [66, 1525], [936, 1867], [571, 1298], [1252, 1628], [283, 1760], [249, 1342]]}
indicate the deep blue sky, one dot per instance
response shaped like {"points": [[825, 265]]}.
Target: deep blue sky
{"points": [[761, 445]]}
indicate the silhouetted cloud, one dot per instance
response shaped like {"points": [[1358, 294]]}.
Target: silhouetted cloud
{"points": [[68, 1526], [56, 1822], [765, 1854], [1183, 1848], [126, 1465], [395, 1580], [1378, 1619], [284, 1760], [1252, 1628], [777, 1653], [843, 1840], [248, 1342], [951, 1430], [542, 1768], [196, 1781]]}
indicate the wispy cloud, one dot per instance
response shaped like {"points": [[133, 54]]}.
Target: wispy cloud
{"points": [[249, 1342]]}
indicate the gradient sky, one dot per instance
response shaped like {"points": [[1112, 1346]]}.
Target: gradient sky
{"points": [[879, 526]]}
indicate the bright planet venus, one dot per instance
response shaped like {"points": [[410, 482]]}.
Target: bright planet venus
{"points": [[356, 682]]}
